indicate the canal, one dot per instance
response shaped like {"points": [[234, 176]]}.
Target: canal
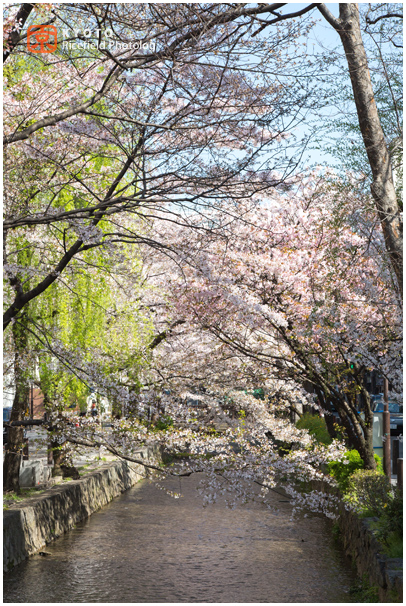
{"points": [[146, 546]]}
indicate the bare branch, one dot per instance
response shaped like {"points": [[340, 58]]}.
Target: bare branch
{"points": [[387, 16], [279, 17], [334, 22]]}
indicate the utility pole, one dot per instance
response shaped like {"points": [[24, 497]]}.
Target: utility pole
{"points": [[386, 431]]}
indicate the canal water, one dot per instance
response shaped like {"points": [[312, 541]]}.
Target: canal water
{"points": [[146, 546]]}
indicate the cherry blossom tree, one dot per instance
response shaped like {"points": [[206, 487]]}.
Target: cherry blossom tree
{"points": [[200, 119], [233, 461], [210, 35], [12, 25], [174, 150], [301, 289], [98, 143]]}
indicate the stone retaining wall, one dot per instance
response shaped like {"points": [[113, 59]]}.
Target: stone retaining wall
{"points": [[366, 553], [40, 520]]}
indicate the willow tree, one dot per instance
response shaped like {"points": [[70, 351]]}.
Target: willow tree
{"points": [[88, 331], [96, 331]]}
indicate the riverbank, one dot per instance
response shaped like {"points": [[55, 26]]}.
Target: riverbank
{"points": [[359, 542], [11, 499], [40, 519]]}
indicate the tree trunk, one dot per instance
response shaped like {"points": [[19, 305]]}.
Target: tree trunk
{"points": [[63, 462], [14, 36], [359, 433], [382, 188], [12, 459], [57, 457], [330, 424], [363, 444], [368, 457], [368, 454], [329, 418]]}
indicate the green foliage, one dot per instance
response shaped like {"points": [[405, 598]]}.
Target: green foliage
{"points": [[390, 525], [14, 497], [163, 423], [316, 426], [89, 318], [362, 591], [242, 415], [394, 512], [379, 463], [370, 494], [341, 470], [259, 393], [368, 491], [393, 546], [341, 432]]}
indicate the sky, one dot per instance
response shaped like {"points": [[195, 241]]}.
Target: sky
{"points": [[322, 36]]}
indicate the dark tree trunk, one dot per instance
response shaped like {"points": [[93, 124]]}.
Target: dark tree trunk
{"points": [[368, 454], [328, 417], [14, 36], [359, 432], [12, 459], [368, 457], [63, 464], [57, 457]]}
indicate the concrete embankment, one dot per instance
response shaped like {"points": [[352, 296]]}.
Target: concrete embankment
{"points": [[39, 520]]}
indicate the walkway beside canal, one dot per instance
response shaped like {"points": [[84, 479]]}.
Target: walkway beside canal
{"points": [[146, 546]]}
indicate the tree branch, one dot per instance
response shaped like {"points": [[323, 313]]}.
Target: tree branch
{"points": [[163, 335], [13, 38], [279, 17], [387, 16], [97, 444], [334, 22], [77, 109], [21, 300]]}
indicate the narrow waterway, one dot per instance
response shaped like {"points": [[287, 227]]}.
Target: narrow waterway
{"points": [[146, 546]]}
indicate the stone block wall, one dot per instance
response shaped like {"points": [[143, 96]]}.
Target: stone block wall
{"points": [[39, 520], [366, 552], [33, 473]]}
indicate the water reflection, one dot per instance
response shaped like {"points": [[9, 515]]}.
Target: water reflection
{"points": [[148, 547]]}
